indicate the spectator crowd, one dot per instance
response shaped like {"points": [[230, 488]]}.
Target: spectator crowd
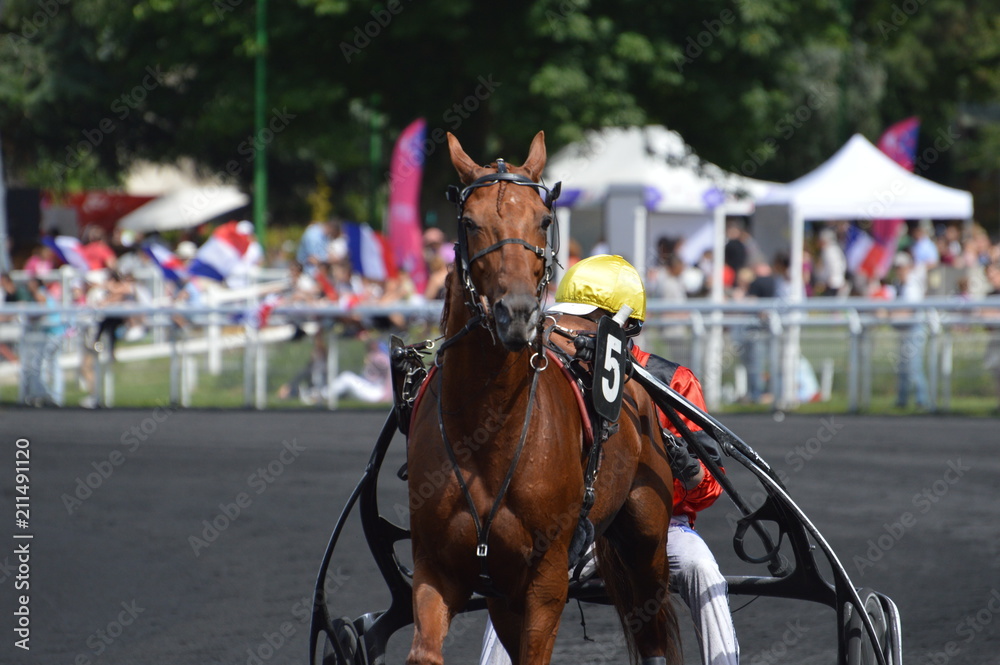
{"points": [[949, 259]]}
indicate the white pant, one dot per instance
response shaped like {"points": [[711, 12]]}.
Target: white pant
{"points": [[349, 384], [696, 578]]}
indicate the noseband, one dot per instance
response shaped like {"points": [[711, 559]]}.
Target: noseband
{"points": [[464, 262]]}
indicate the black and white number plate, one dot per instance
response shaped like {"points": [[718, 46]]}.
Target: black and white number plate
{"points": [[609, 369]]}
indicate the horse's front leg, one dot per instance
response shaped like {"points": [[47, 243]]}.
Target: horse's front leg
{"points": [[435, 602], [543, 606]]}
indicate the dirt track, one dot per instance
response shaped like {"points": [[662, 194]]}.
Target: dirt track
{"points": [[139, 556]]}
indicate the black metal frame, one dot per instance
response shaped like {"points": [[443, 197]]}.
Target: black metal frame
{"points": [[868, 621]]}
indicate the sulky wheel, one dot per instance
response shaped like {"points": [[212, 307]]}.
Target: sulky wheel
{"points": [[858, 648], [342, 646]]}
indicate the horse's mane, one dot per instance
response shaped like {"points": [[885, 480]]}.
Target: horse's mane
{"points": [[448, 286]]}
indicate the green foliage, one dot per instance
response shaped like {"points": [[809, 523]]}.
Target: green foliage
{"points": [[768, 86]]}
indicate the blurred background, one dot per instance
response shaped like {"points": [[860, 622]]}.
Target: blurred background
{"points": [[142, 141]]}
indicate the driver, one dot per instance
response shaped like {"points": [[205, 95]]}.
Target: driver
{"points": [[599, 286]]}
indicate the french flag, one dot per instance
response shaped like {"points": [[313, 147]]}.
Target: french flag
{"points": [[172, 267], [223, 251], [370, 254], [69, 250], [864, 254], [258, 316]]}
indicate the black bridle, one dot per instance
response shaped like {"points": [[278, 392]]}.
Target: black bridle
{"points": [[463, 262]]}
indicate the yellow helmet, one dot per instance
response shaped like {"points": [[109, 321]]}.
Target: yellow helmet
{"points": [[604, 281]]}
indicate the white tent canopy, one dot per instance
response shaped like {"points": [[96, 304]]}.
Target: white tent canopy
{"points": [[862, 182], [184, 208], [658, 160], [633, 185], [858, 182]]}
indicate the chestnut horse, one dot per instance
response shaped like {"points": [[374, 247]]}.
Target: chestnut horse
{"points": [[495, 455]]}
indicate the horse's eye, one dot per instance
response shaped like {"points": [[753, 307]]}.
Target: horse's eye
{"points": [[470, 225], [546, 222]]}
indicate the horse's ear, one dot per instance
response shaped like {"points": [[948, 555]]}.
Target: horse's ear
{"points": [[535, 163], [467, 169]]}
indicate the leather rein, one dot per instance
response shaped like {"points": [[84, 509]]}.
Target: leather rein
{"points": [[480, 316]]}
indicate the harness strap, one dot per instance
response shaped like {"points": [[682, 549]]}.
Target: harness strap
{"points": [[483, 527], [466, 329], [535, 249]]}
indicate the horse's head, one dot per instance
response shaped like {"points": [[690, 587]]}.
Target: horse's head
{"points": [[504, 251]]}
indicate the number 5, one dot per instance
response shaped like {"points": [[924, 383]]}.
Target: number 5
{"points": [[611, 384]]}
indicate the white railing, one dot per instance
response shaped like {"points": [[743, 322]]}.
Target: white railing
{"points": [[712, 336]]}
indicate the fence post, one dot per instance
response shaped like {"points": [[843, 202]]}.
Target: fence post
{"points": [[865, 367], [260, 356], [189, 374], [713, 362], [781, 372], [106, 372], [175, 365], [332, 366], [158, 291], [947, 362], [249, 350], [214, 334], [698, 331], [934, 329], [22, 378], [854, 360]]}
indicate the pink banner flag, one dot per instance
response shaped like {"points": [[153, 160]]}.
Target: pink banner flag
{"points": [[403, 227], [899, 142]]}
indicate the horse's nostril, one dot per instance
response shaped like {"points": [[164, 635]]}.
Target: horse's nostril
{"points": [[501, 313]]}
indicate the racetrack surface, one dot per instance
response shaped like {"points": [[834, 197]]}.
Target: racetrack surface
{"points": [[126, 567]]}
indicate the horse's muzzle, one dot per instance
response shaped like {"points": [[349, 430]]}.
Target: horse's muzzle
{"points": [[516, 317]]}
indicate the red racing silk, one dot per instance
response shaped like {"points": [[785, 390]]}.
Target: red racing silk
{"points": [[686, 502]]}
